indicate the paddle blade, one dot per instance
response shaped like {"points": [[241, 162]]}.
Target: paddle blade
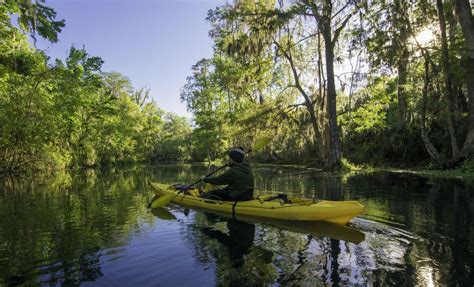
{"points": [[163, 201], [261, 143], [208, 187], [163, 214]]}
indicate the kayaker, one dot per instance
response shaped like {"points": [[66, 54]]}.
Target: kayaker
{"points": [[239, 179]]}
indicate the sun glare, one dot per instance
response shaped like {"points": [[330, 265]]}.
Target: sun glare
{"points": [[425, 37]]}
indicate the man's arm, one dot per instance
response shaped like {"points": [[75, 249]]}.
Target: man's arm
{"points": [[225, 178]]}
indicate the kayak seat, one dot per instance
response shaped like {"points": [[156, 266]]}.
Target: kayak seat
{"points": [[180, 186]]}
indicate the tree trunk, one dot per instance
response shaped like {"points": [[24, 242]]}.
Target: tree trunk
{"points": [[326, 23], [466, 20], [457, 92], [430, 148], [314, 122], [447, 80], [321, 103], [402, 80], [400, 21], [334, 142]]}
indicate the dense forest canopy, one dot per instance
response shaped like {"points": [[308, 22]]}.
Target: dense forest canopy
{"points": [[71, 113], [380, 82], [371, 81]]}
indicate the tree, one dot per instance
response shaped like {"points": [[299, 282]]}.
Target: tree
{"points": [[70, 113], [331, 19], [204, 99], [33, 16], [174, 143], [450, 98], [466, 20], [251, 30]]}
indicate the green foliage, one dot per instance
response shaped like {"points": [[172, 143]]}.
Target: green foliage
{"points": [[370, 131], [33, 16], [72, 114], [464, 171], [267, 49], [372, 107], [175, 139], [27, 116], [266, 78], [345, 165], [208, 103]]}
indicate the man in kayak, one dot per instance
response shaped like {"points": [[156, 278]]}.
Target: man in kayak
{"points": [[239, 179]]}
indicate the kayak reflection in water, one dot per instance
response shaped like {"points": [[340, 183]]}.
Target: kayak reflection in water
{"points": [[239, 179]]}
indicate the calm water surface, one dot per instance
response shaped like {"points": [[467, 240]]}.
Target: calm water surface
{"points": [[93, 228]]}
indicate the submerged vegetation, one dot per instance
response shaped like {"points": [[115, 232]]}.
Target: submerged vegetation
{"points": [[337, 84]]}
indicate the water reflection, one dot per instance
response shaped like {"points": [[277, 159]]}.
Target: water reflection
{"points": [[52, 230], [259, 253], [94, 227], [238, 239], [229, 243], [262, 254]]}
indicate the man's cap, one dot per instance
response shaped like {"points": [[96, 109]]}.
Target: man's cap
{"points": [[236, 154]]}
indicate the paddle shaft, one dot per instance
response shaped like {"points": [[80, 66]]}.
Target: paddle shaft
{"points": [[193, 184]]}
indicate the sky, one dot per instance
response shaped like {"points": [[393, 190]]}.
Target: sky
{"points": [[152, 42]]}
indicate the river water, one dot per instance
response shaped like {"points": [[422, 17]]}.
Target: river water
{"points": [[93, 228]]}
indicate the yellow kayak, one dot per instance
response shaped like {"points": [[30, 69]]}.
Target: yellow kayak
{"points": [[300, 209]]}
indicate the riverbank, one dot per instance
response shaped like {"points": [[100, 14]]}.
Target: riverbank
{"points": [[433, 173], [464, 172]]}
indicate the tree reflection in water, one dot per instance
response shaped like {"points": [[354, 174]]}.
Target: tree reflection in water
{"points": [[260, 254], [95, 227]]}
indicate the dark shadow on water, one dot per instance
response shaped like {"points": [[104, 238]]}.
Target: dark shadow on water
{"points": [[238, 241]]}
